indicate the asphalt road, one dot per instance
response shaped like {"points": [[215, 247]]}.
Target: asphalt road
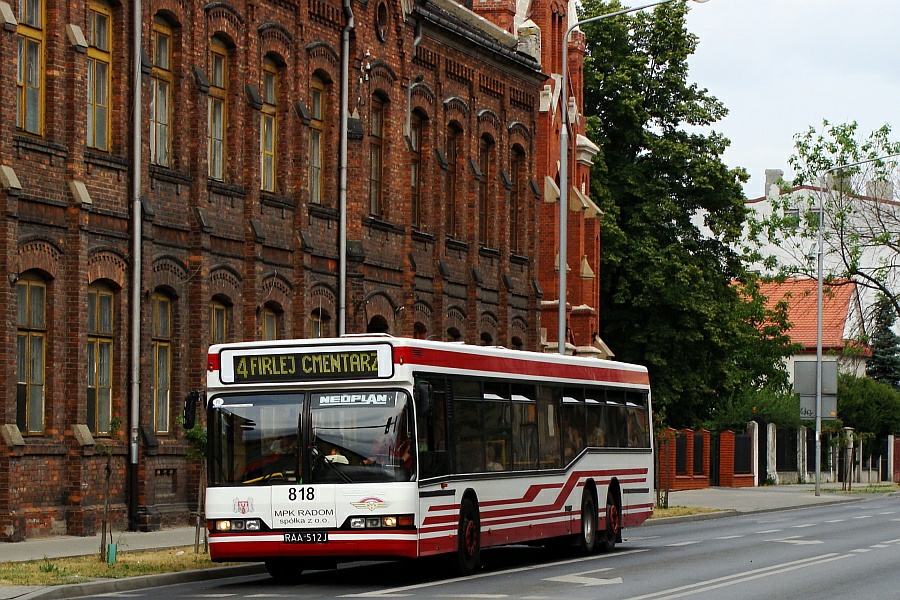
{"points": [[840, 551]]}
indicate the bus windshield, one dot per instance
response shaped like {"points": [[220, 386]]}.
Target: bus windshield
{"points": [[361, 436], [254, 439], [333, 437]]}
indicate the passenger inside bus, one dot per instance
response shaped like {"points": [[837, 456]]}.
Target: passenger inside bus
{"points": [[490, 455]]}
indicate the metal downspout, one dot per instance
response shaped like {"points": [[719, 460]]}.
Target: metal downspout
{"points": [[342, 167], [136, 259]]}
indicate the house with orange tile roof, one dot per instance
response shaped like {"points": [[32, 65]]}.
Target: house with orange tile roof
{"points": [[842, 322]]}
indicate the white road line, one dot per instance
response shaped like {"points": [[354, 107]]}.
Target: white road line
{"points": [[793, 539], [836, 521], [890, 512], [863, 517], [880, 546], [730, 537], [581, 578], [767, 531], [804, 525], [677, 544], [720, 582], [400, 592], [891, 541], [861, 550]]}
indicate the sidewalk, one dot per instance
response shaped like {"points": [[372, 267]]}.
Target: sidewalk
{"points": [[728, 500]]}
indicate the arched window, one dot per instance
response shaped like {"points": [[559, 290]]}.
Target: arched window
{"points": [[161, 344], [317, 139], [30, 36], [99, 359], [219, 318], [376, 157], [269, 125], [319, 323], [31, 342], [454, 139], [161, 85], [99, 69], [415, 170], [485, 179], [218, 108], [270, 318], [517, 215]]}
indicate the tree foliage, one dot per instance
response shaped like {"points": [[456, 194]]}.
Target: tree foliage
{"points": [[884, 366], [861, 223], [675, 294], [868, 406]]}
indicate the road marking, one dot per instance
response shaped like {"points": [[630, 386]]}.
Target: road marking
{"points": [[836, 521], [586, 581], [891, 541], [768, 531], [690, 543], [880, 546], [720, 582], [890, 512], [861, 550], [804, 525], [473, 596], [730, 537], [863, 517], [793, 540], [400, 592]]}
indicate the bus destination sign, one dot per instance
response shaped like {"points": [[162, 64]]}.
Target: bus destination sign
{"points": [[289, 365]]}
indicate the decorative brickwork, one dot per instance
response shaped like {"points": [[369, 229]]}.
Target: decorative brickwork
{"points": [[224, 239]]}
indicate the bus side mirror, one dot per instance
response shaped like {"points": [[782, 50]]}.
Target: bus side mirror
{"points": [[424, 398], [190, 409]]}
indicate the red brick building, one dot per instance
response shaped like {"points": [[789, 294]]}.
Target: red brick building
{"points": [[198, 194]]}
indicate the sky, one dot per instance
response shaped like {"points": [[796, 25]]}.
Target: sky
{"points": [[781, 66]]}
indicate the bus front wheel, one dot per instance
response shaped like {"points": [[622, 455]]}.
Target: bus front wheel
{"points": [[284, 570], [588, 540], [468, 551], [613, 525]]}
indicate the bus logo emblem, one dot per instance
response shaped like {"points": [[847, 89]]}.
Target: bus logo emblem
{"points": [[370, 503], [243, 506]]}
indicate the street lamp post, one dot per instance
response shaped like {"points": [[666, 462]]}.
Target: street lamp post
{"points": [[819, 269], [564, 161]]}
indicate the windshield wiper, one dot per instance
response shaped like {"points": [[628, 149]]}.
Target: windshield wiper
{"points": [[323, 460]]}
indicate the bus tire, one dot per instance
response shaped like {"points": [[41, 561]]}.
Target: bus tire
{"points": [[468, 547], [284, 570], [613, 525], [588, 539]]}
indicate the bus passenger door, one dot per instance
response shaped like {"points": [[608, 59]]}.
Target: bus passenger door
{"points": [[431, 430]]}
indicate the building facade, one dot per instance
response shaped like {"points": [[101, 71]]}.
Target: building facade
{"points": [[176, 173]]}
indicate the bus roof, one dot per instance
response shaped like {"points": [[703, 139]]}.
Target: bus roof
{"points": [[450, 357]]}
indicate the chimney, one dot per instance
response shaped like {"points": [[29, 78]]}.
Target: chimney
{"points": [[773, 176], [881, 190]]}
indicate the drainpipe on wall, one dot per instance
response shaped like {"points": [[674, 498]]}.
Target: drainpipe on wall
{"points": [[342, 169], [135, 399]]}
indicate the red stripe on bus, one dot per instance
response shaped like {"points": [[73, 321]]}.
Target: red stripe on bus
{"points": [[459, 359], [574, 480]]}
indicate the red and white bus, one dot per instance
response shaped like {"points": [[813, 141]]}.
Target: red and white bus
{"points": [[361, 447]]}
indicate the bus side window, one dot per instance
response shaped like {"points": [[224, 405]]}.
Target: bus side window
{"points": [[434, 460], [549, 443]]}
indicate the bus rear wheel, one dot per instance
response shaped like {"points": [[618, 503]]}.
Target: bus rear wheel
{"points": [[588, 540], [284, 570], [613, 525], [468, 550]]}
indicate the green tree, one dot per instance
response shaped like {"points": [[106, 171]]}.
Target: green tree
{"points": [[884, 366], [673, 214], [861, 223], [868, 406]]}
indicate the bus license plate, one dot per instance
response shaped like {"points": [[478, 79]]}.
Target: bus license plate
{"points": [[305, 537]]}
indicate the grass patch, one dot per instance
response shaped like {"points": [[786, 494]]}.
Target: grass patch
{"points": [[680, 511], [81, 569], [869, 488]]}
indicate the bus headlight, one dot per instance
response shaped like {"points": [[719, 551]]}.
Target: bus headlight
{"points": [[387, 522], [225, 525]]}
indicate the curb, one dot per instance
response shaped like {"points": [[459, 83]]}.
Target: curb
{"points": [[109, 586]]}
